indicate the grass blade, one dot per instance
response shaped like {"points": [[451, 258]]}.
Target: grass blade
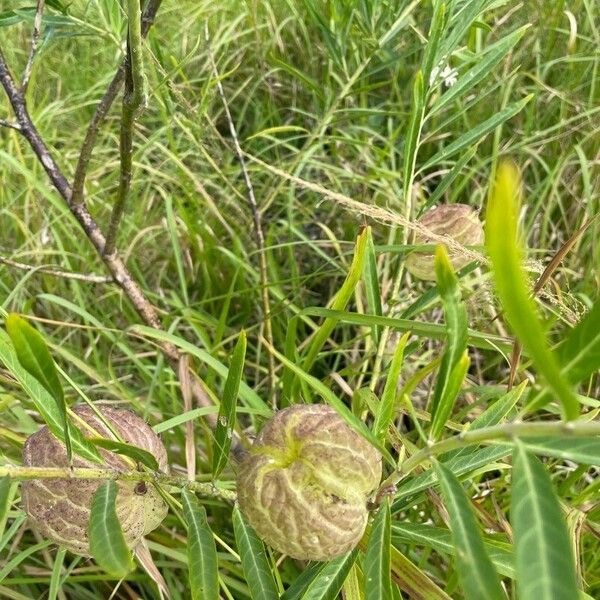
{"points": [[203, 567], [385, 412], [477, 133], [478, 577], [107, 543], [257, 570], [372, 283], [454, 362], [430, 58], [227, 410], [377, 562], [544, 559], [506, 252], [35, 358], [491, 57], [413, 134]]}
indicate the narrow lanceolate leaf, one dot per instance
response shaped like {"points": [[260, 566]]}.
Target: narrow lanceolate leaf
{"points": [[341, 299], [506, 254], [34, 356], [385, 414], [138, 454], [455, 362], [490, 58], [227, 410], [416, 583], [372, 283], [257, 569], [328, 583], [431, 55], [477, 133], [6, 491], [203, 567], [544, 556], [478, 577], [43, 401], [584, 450], [377, 563], [107, 543]]}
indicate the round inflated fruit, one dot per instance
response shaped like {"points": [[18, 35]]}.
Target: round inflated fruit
{"points": [[457, 221], [305, 485], [60, 508]]}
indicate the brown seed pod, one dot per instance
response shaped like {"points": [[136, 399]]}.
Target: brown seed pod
{"points": [[459, 222], [304, 486], [60, 508]]}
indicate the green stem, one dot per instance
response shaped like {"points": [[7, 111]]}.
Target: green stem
{"points": [[489, 435], [204, 489]]}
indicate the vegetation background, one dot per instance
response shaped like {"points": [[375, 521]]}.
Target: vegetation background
{"points": [[322, 97]]}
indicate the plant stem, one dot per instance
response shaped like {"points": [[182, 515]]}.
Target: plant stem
{"points": [[134, 100], [490, 435], [204, 489]]}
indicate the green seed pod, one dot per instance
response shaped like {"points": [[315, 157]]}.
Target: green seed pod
{"points": [[305, 485], [459, 222], [60, 508]]}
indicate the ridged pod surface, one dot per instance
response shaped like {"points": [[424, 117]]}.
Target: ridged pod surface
{"points": [[60, 508], [305, 485], [459, 222]]}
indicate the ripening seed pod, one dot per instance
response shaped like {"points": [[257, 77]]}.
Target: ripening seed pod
{"points": [[459, 222], [60, 508], [305, 484]]}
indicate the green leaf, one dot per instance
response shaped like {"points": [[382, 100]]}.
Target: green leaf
{"points": [[544, 556], [430, 58], [257, 569], [299, 585], [455, 362], [489, 59], [413, 133], [584, 450], [138, 454], [372, 283], [6, 496], [107, 543], [510, 280], [441, 540], [43, 401], [328, 583], [477, 133], [417, 584], [35, 358], [203, 567], [385, 413], [341, 299], [478, 577], [580, 352], [377, 562], [227, 410]]}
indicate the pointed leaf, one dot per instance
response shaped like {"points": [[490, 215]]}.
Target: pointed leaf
{"points": [[34, 356], [506, 254], [377, 562], [478, 577], [372, 283], [544, 556], [138, 454], [227, 410], [255, 564], [328, 583], [203, 567], [107, 543]]}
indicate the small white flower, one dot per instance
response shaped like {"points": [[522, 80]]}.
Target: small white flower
{"points": [[447, 75]]}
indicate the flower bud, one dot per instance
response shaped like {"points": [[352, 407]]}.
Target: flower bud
{"points": [[305, 485], [60, 508], [457, 221]]}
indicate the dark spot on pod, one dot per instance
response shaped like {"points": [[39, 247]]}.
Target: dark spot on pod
{"points": [[141, 488]]}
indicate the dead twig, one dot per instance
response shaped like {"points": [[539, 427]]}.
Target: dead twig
{"points": [[37, 22], [56, 271]]}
